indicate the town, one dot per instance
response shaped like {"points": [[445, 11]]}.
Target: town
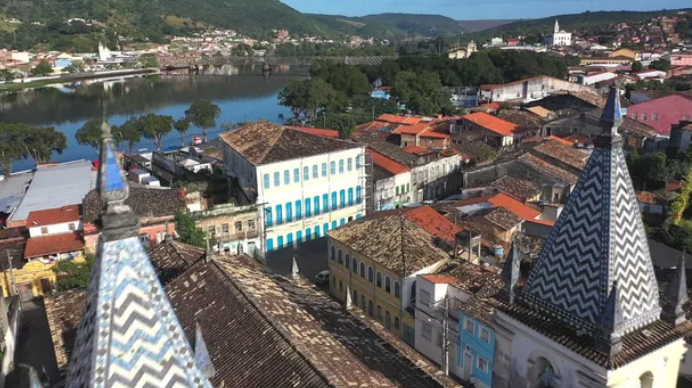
{"points": [[503, 211]]}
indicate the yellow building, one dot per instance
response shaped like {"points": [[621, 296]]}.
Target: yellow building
{"points": [[605, 61], [376, 260], [624, 52], [35, 277]]}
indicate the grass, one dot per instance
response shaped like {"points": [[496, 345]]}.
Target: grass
{"points": [[15, 86]]}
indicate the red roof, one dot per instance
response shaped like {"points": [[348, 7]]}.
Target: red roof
{"points": [[319, 132], [492, 123], [416, 150], [434, 223], [51, 245], [433, 134], [415, 129], [371, 126], [561, 140], [387, 163], [521, 210], [439, 279], [53, 216], [407, 120]]}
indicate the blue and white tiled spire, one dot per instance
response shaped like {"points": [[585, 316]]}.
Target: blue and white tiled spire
{"points": [[595, 272], [129, 335]]}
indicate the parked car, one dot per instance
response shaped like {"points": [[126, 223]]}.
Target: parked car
{"points": [[322, 277]]}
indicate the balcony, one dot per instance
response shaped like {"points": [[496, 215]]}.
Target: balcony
{"points": [[238, 236]]}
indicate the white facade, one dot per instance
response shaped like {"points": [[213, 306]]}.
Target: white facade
{"points": [[560, 37], [435, 179], [48, 230], [595, 78], [104, 52], [393, 192]]}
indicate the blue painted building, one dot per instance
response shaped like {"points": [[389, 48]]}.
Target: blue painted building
{"points": [[380, 94], [477, 350]]}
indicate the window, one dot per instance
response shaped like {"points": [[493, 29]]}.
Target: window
{"points": [[316, 204], [358, 194], [279, 214], [287, 177], [349, 164], [71, 226], [341, 286], [358, 161], [362, 270], [280, 241], [296, 175], [289, 212], [468, 325], [332, 256], [397, 191], [211, 229], [317, 231], [269, 215], [334, 200], [354, 265], [371, 275], [425, 297], [342, 222], [332, 167], [308, 234], [634, 116], [362, 303], [315, 173], [324, 170], [334, 282], [350, 197], [277, 179], [308, 209], [643, 116], [298, 211], [341, 166], [270, 245], [482, 364], [342, 198], [408, 188], [387, 284], [325, 204], [396, 323], [485, 334], [238, 226], [289, 239], [379, 279], [251, 225], [306, 173], [225, 228], [654, 117], [426, 331], [44, 230], [333, 224], [397, 292], [299, 236], [266, 181], [325, 227], [370, 308], [379, 313], [347, 261]]}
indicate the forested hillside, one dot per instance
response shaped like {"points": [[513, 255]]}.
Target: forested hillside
{"points": [[392, 25]]}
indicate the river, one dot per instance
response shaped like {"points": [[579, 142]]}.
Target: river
{"points": [[242, 94]]}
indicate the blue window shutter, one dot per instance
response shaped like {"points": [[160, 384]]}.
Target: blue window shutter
{"points": [[306, 173], [332, 166], [350, 197], [279, 215], [270, 244], [325, 227], [296, 175], [359, 194], [342, 197], [316, 204], [315, 173], [358, 216], [277, 179], [325, 203], [342, 222], [334, 225], [266, 181], [358, 161], [324, 170], [308, 209], [299, 236], [289, 239], [280, 241], [289, 212], [341, 166], [350, 164], [308, 234], [317, 231], [287, 177], [268, 215], [299, 215], [334, 205]]}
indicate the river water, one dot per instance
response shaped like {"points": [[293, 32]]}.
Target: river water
{"points": [[242, 94]]}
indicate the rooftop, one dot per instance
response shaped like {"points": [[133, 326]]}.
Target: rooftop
{"points": [[498, 86], [12, 190], [499, 217], [265, 143], [539, 111], [380, 237], [563, 153], [548, 169], [55, 186], [433, 222], [382, 146], [519, 188], [51, 245], [388, 164], [405, 120], [144, 202], [522, 118], [417, 150], [492, 123], [334, 134], [628, 125], [53, 216], [64, 310], [171, 258]]}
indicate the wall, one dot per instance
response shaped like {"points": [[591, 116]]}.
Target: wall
{"points": [[680, 139], [11, 336], [386, 192], [436, 179], [31, 274], [531, 89], [670, 110], [681, 60], [243, 172], [236, 228], [56, 228], [472, 344]]}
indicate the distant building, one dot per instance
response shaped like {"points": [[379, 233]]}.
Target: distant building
{"points": [[663, 112], [529, 89], [461, 53], [680, 137], [560, 37], [104, 53]]}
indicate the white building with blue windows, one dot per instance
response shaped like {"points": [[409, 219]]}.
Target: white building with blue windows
{"points": [[307, 184]]}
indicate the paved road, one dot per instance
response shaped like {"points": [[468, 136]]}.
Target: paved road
{"points": [[35, 346]]}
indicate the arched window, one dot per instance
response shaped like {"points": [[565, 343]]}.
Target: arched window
{"points": [[396, 323], [379, 279], [371, 275], [397, 292], [387, 285], [333, 256], [371, 308], [340, 258], [546, 374], [354, 265], [646, 380], [387, 320], [362, 270], [379, 313], [347, 261], [355, 297], [362, 303]]}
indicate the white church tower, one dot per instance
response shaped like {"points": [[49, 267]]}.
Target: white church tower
{"points": [[560, 37], [590, 314]]}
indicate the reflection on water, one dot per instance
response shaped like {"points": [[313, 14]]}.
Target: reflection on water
{"points": [[242, 94]]}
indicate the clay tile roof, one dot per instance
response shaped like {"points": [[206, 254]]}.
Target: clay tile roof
{"points": [[53, 216], [382, 146], [405, 120], [433, 222], [388, 164], [378, 237], [143, 201], [416, 150], [525, 212], [560, 140], [415, 129], [548, 169], [334, 134], [64, 310], [501, 217], [371, 126], [650, 198], [522, 118], [51, 245], [564, 153], [539, 111], [519, 188], [492, 123], [264, 143], [438, 279], [171, 258]]}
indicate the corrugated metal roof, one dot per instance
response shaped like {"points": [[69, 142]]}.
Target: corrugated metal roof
{"points": [[12, 190]]}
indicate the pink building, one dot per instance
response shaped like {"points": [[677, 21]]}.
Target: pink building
{"points": [[660, 113], [681, 59]]}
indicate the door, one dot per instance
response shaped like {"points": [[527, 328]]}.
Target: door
{"points": [[468, 365]]}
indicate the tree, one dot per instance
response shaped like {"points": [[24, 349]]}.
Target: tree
{"points": [[43, 68], [149, 60], [72, 274], [203, 114], [189, 233], [72, 69], [90, 133], [155, 127], [655, 170], [242, 50], [6, 75], [309, 97], [11, 149], [182, 126], [660, 64], [131, 132], [41, 142], [422, 92], [637, 66]]}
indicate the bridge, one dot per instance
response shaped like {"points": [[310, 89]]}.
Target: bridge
{"points": [[267, 61]]}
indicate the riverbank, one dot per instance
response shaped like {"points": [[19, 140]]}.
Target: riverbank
{"points": [[38, 82]]}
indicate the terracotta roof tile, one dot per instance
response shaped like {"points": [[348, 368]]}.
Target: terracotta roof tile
{"points": [[334, 134], [416, 150], [53, 216], [650, 198], [415, 129], [523, 211], [388, 164], [405, 120], [64, 310], [438, 279], [433, 222], [560, 140], [563, 153], [51, 245], [492, 123], [548, 169], [519, 188], [143, 201], [171, 258]]}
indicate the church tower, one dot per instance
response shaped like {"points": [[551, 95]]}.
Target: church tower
{"points": [[556, 30], [129, 335], [590, 313]]}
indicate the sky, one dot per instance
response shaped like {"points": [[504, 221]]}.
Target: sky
{"points": [[479, 9]]}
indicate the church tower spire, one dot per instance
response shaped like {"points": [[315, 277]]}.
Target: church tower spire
{"points": [[129, 335], [557, 27]]}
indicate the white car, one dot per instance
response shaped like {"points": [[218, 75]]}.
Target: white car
{"points": [[322, 277]]}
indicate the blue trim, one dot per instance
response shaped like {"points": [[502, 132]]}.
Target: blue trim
{"points": [[287, 177], [299, 236], [296, 175], [270, 244], [266, 181], [478, 347], [308, 234], [280, 242]]}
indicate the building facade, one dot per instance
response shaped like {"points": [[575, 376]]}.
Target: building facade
{"points": [[560, 37], [662, 113], [529, 89], [306, 184], [236, 229]]}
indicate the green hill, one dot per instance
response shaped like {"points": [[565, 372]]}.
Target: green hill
{"points": [[392, 25]]}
